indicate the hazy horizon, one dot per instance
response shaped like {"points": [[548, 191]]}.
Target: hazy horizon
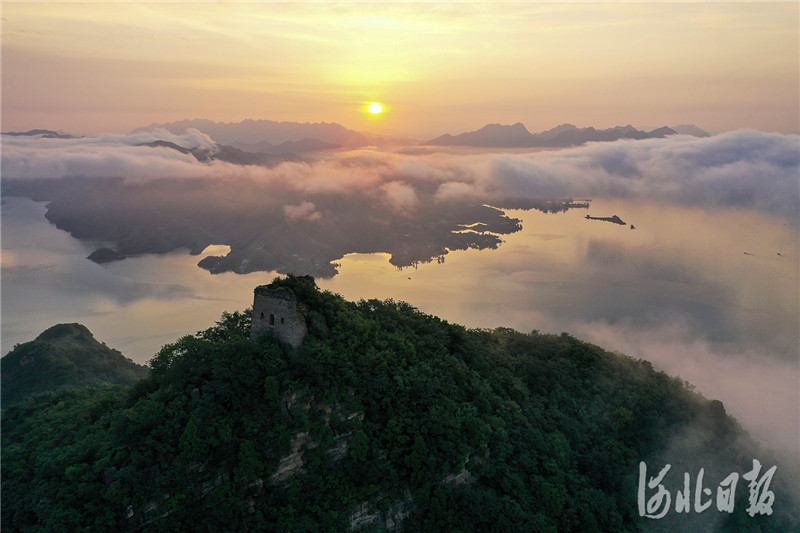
{"points": [[436, 68], [405, 139]]}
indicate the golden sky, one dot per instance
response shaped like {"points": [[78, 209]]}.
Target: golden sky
{"points": [[436, 67]]}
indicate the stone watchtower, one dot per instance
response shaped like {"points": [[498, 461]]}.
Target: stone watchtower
{"points": [[277, 310]]}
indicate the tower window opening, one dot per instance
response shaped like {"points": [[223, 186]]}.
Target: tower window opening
{"points": [[262, 316], [271, 320], [281, 320]]}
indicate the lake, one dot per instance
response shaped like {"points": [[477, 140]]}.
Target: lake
{"points": [[711, 296]]}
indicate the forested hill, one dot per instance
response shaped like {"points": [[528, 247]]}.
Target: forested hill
{"points": [[65, 355], [384, 419]]}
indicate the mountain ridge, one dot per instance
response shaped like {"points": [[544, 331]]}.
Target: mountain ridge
{"points": [[46, 134], [562, 136], [270, 137], [257, 131]]}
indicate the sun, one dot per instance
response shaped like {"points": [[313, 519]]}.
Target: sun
{"points": [[375, 108]]}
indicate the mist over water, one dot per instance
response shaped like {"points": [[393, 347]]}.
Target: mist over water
{"points": [[135, 306], [708, 295], [678, 290]]}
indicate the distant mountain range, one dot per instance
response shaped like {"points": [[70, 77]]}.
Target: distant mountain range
{"points": [[277, 138], [264, 135], [47, 134], [565, 135], [268, 142]]}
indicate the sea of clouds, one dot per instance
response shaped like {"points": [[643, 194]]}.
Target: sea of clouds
{"points": [[741, 169]]}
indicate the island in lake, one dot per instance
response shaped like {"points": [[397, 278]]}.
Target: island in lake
{"points": [[614, 219]]}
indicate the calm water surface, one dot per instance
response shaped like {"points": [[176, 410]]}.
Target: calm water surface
{"points": [[710, 296]]}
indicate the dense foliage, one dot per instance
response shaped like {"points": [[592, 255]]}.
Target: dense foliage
{"points": [[384, 418], [65, 355]]}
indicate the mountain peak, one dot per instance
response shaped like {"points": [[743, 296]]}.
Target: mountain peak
{"points": [[59, 332], [663, 131], [495, 135], [518, 126], [690, 129], [64, 356]]}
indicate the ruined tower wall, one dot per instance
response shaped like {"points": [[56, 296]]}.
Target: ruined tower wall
{"points": [[278, 311]]}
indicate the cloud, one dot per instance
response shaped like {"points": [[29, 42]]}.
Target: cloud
{"points": [[455, 190], [402, 198], [743, 169], [107, 155], [192, 138], [304, 210], [758, 389], [520, 177], [320, 177]]}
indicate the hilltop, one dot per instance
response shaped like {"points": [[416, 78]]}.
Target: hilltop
{"points": [[383, 419], [64, 356]]}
